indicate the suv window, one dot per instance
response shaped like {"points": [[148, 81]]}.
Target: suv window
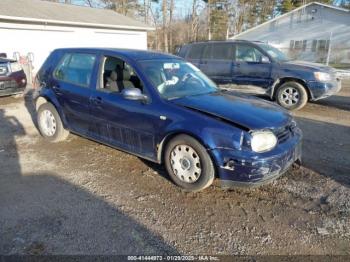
{"points": [[76, 68], [247, 53], [220, 51], [195, 52]]}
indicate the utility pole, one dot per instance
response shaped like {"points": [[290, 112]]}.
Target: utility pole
{"points": [[329, 48]]}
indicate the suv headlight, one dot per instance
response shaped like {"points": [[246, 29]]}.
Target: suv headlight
{"points": [[15, 67], [322, 76], [263, 141]]}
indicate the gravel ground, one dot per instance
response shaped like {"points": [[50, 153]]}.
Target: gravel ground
{"points": [[80, 197]]}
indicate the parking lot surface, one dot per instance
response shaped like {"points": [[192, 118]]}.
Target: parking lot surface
{"points": [[81, 197]]}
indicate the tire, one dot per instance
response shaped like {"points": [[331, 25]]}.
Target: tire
{"points": [[52, 129], [191, 168], [291, 96]]}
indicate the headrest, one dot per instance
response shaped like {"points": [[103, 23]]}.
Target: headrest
{"points": [[126, 75], [113, 76]]}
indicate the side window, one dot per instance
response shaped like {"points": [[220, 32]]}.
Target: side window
{"points": [[76, 68], [222, 51], [116, 75], [207, 51], [195, 52], [247, 53]]}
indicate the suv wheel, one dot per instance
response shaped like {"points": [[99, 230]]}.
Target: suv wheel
{"points": [[50, 124], [188, 163], [291, 95]]}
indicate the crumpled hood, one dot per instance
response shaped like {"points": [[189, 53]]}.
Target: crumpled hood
{"points": [[244, 111], [310, 65]]}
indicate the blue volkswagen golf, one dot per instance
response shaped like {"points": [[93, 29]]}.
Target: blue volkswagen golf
{"points": [[162, 108]]}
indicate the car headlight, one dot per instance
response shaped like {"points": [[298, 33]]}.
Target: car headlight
{"points": [[15, 67], [263, 141], [322, 76]]}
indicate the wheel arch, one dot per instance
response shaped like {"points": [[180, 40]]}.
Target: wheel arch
{"points": [[45, 99], [283, 80], [162, 145], [170, 136]]}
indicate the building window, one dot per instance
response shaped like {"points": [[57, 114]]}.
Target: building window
{"points": [[314, 45], [291, 45], [320, 45], [298, 45], [304, 44]]}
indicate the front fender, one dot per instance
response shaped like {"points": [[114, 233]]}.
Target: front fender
{"points": [[210, 136]]}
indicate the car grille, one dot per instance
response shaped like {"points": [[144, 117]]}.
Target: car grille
{"points": [[284, 133], [8, 84]]}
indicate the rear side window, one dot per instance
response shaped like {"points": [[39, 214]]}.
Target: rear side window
{"points": [[222, 51], [195, 52], [76, 68], [183, 51]]}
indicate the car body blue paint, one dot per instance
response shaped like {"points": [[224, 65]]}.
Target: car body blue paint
{"points": [[221, 121], [265, 75]]}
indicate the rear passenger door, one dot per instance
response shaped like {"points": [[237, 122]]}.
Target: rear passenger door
{"points": [[217, 62], [74, 77]]}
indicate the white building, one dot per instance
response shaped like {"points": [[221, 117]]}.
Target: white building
{"points": [[33, 28], [308, 33]]}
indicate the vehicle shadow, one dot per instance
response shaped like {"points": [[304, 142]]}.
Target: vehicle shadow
{"points": [[160, 169], [340, 102], [326, 149], [43, 214], [30, 106]]}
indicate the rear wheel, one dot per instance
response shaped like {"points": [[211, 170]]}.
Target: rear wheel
{"points": [[188, 163], [291, 95], [50, 124]]}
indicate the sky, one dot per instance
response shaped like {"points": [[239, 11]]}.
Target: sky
{"points": [[182, 7]]}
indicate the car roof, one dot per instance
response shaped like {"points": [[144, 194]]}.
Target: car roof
{"points": [[225, 41], [131, 53]]}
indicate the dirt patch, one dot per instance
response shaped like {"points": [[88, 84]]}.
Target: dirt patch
{"points": [[80, 197]]}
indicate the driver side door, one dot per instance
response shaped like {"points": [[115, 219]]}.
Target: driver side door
{"points": [[249, 67], [126, 124]]}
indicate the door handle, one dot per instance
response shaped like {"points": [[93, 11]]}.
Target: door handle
{"points": [[57, 89], [96, 100]]}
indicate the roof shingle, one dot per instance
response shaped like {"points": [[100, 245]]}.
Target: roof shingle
{"points": [[65, 14]]}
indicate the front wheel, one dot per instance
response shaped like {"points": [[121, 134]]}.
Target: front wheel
{"points": [[50, 124], [291, 95], [188, 163]]}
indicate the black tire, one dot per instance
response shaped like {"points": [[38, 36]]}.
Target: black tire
{"points": [[59, 133], [285, 89], [207, 174]]}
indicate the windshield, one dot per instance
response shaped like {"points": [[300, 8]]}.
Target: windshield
{"points": [[176, 78], [274, 52]]}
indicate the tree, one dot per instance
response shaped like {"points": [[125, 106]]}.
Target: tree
{"points": [[286, 6], [125, 7]]}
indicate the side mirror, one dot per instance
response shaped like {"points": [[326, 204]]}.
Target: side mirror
{"points": [[133, 94], [265, 60]]}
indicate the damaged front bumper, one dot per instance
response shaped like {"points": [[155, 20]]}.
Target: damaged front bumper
{"points": [[242, 169]]}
